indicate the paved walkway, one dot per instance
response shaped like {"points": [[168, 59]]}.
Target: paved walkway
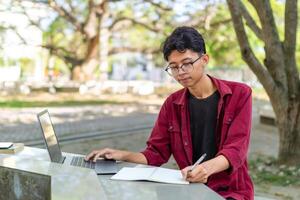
{"points": [[21, 125]]}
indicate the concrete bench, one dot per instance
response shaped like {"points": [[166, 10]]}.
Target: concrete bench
{"points": [[267, 115]]}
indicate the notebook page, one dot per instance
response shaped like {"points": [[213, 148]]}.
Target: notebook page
{"points": [[132, 174], [168, 176]]}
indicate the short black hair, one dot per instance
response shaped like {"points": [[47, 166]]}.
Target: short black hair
{"points": [[181, 39]]}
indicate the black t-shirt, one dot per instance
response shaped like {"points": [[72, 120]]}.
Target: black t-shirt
{"points": [[203, 119]]}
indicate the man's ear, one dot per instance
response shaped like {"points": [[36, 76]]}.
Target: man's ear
{"points": [[205, 59]]}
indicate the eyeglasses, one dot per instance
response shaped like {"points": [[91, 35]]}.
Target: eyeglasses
{"points": [[185, 67]]}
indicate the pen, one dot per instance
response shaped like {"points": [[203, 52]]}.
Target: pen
{"points": [[198, 162]]}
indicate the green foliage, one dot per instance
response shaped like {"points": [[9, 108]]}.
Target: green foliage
{"points": [[61, 67], [278, 13], [220, 37], [267, 170], [7, 62], [62, 35], [25, 104], [1, 62], [27, 66], [2, 32], [221, 40]]}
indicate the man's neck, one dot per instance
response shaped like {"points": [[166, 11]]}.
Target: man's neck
{"points": [[204, 88]]}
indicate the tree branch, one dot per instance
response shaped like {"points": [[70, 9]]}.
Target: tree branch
{"points": [[195, 21], [158, 5], [63, 54], [214, 24], [133, 21], [72, 8], [24, 11], [250, 22], [91, 25], [205, 20], [66, 15], [133, 49], [289, 44], [247, 53], [273, 47], [290, 28], [218, 23], [14, 29]]}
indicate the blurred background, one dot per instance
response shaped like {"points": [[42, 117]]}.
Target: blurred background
{"points": [[71, 42], [97, 66]]}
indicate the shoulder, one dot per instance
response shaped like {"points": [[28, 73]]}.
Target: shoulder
{"points": [[175, 96], [238, 88], [241, 96], [168, 106]]}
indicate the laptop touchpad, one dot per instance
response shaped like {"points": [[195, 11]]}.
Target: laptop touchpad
{"points": [[104, 166]]}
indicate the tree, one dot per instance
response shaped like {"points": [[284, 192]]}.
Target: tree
{"points": [[217, 30], [80, 30], [117, 26], [278, 72], [83, 61]]}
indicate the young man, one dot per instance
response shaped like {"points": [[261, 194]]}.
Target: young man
{"points": [[208, 116]]}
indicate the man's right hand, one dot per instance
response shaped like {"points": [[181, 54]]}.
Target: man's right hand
{"points": [[106, 153]]}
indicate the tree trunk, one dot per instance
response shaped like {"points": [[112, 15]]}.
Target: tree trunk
{"points": [[288, 122], [92, 31], [105, 34], [91, 61], [84, 70], [76, 74]]}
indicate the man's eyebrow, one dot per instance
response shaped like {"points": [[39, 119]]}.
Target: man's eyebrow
{"points": [[186, 59], [180, 61]]}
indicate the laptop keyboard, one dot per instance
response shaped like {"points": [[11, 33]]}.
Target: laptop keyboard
{"points": [[80, 162]]}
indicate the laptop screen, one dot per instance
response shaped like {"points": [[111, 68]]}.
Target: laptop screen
{"points": [[50, 137]]}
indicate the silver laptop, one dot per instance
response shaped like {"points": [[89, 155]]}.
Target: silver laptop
{"points": [[101, 166]]}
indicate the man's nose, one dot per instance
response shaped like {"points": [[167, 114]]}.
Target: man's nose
{"points": [[181, 71]]}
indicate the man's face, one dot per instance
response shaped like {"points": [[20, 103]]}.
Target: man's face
{"points": [[187, 66]]}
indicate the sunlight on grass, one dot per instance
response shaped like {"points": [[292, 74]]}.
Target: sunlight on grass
{"points": [[24, 104]]}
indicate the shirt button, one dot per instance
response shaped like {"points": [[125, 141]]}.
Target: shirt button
{"points": [[185, 143]]}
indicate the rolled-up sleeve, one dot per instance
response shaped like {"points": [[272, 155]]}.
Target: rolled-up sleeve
{"points": [[235, 146], [158, 148]]}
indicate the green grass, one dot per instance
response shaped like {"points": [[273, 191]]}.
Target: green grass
{"points": [[267, 170], [26, 104]]}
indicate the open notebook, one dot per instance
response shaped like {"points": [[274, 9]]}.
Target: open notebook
{"points": [[157, 174]]}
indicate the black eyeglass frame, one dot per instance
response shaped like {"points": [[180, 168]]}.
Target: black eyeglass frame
{"points": [[181, 66]]}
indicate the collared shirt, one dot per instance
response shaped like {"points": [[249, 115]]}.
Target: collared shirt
{"points": [[171, 135]]}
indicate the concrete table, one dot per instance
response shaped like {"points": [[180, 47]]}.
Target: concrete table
{"points": [[69, 182]]}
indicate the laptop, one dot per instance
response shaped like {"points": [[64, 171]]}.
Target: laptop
{"points": [[101, 166]]}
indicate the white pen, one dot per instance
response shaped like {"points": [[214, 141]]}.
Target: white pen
{"points": [[198, 162]]}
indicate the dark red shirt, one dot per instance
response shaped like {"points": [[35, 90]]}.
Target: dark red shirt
{"points": [[171, 135]]}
